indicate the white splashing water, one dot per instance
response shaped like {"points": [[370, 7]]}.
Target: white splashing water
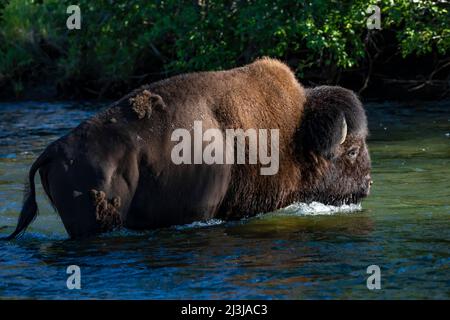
{"points": [[317, 208], [200, 224], [298, 208]]}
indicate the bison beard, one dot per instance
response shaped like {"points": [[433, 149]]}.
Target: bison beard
{"points": [[115, 169]]}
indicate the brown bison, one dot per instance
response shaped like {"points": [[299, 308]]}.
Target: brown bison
{"points": [[117, 169]]}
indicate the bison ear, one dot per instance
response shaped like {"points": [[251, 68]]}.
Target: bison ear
{"points": [[321, 131], [329, 113]]}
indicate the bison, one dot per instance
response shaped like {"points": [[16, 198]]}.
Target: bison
{"points": [[115, 169]]}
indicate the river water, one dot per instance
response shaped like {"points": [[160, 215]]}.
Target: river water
{"points": [[301, 252]]}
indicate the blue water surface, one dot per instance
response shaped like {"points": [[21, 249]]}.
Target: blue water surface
{"points": [[403, 227]]}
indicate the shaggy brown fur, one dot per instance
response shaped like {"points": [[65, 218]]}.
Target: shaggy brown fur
{"points": [[264, 94]]}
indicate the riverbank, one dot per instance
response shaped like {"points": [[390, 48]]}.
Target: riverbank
{"points": [[384, 82]]}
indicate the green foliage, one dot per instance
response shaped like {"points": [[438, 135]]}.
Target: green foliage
{"points": [[122, 40], [423, 26]]}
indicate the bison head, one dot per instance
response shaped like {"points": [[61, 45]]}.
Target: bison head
{"points": [[332, 149]]}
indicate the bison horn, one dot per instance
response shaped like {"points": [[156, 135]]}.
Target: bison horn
{"points": [[344, 130]]}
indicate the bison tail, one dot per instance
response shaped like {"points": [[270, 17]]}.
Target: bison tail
{"points": [[29, 208]]}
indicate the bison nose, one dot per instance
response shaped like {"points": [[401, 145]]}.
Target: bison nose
{"points": [[371, 182]]}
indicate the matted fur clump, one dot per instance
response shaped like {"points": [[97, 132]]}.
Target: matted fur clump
{"points": [[143, 102], [107, 212]]}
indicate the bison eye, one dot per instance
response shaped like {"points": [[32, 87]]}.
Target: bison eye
{"points": [[353, 153]]}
